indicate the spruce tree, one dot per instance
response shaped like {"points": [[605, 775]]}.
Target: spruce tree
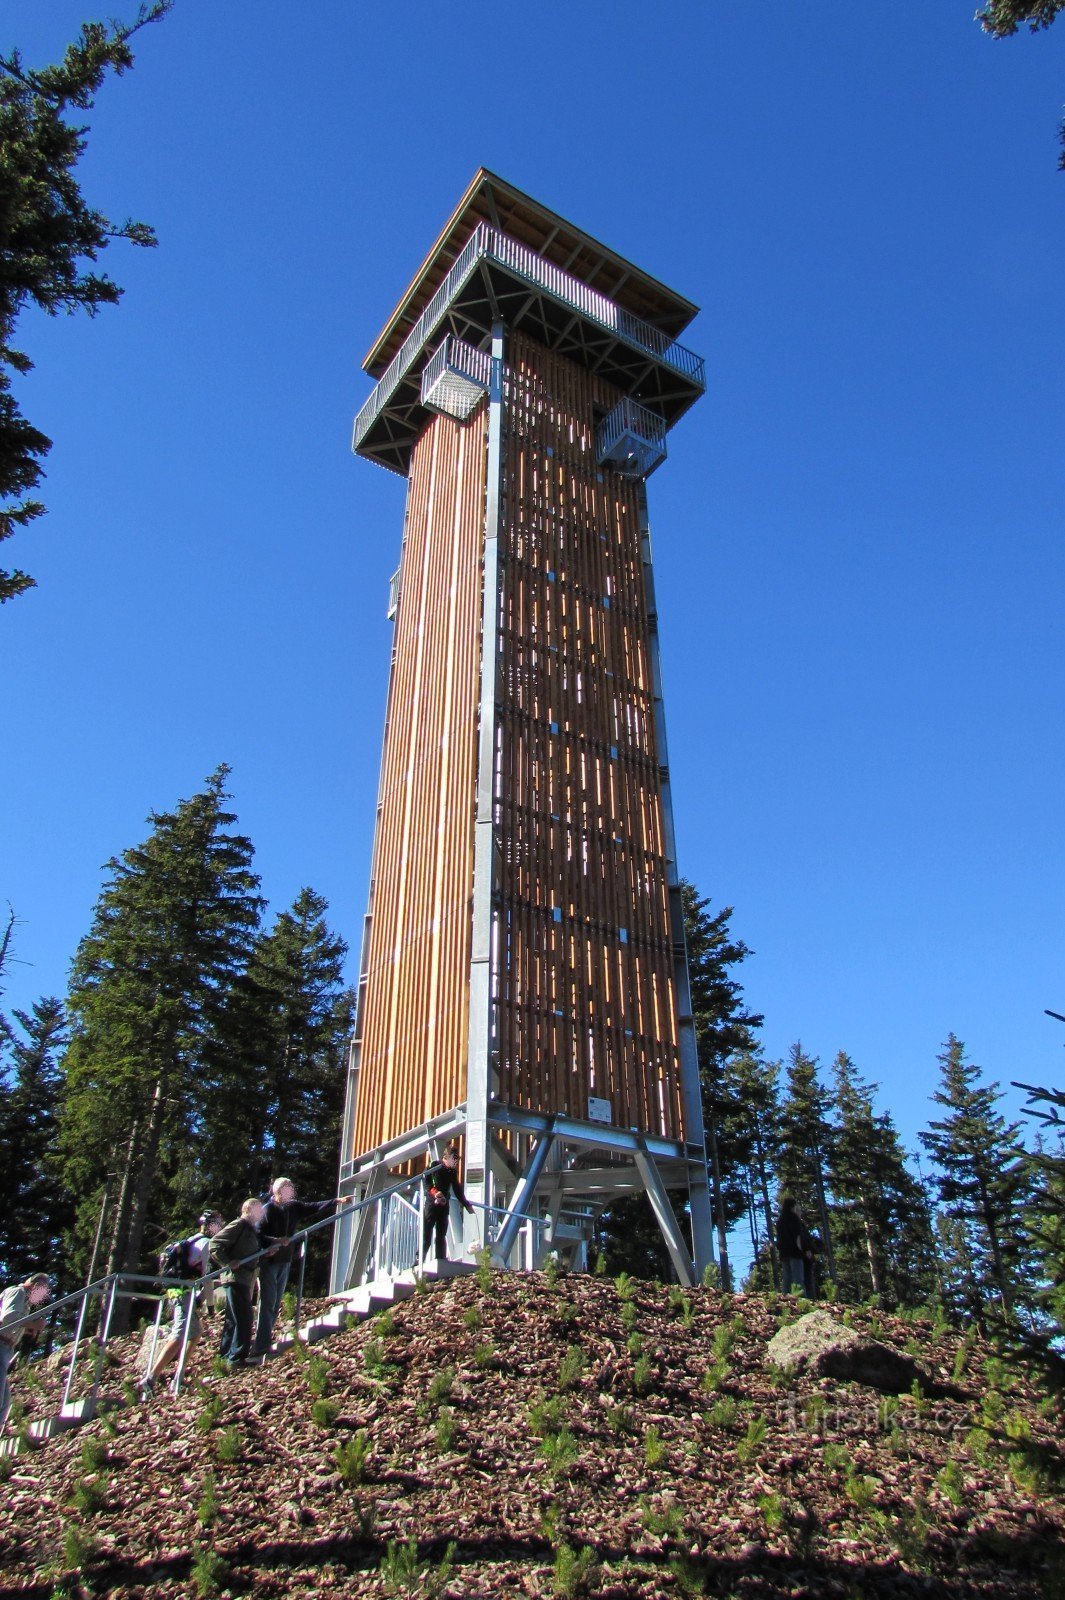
{"points": [[293, 1024], [982, 1182], [150, 997], [805, 1145], [49, 237], [724, 1029], [881, 1229], [35, 1207]]}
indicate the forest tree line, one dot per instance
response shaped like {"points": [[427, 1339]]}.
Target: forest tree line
{"points": [[201, 1050]]}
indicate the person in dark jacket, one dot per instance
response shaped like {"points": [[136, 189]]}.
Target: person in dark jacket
{"points": [[229, 1249], [439, 1183], [283, 1216], [792, 1243]]}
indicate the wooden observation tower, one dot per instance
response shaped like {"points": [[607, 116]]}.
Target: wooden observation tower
{"points": [[524, 983]]}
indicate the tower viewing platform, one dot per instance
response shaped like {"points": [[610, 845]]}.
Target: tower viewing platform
{"points": [[543, 278]]}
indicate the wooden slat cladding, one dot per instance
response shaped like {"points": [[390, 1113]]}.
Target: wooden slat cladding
{"points": [[414, 1026], [585, 984]]}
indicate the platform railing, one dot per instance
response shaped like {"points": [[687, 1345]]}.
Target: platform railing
{"points": [[493, 244]]}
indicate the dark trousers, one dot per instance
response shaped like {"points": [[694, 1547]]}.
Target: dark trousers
{"points": [[273, 1276], [435, 1220], [236, 1330]]}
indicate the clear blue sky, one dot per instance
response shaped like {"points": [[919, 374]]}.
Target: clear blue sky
{"points": [[858, 534]]}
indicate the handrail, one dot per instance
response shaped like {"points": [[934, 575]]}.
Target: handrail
{"points": [[486, 241]]}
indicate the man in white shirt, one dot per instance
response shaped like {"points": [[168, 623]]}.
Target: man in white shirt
{"points": [[15, 1303]]}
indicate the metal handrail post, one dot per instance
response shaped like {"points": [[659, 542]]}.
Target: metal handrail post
{"points": [[79, 1330], [186, 1334], [102, 1338], [155, 1334], [299, 1288]]}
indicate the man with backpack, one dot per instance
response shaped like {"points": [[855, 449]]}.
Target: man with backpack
{"points": [[15, 1303], [184, 1259], [230, 1249]]}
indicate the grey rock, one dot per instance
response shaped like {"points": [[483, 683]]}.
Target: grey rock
{"points": [[819, 1345]]}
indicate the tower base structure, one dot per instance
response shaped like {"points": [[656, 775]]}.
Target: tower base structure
{"points": [[542, 1185]]}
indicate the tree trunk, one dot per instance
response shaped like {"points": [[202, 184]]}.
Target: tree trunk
{"points": [[719, 1209], [141, 1189], [767, 1208], [116, 1253]]}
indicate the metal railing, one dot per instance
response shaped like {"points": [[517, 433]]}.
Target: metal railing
{"points": [[397, 1247], [493, 244]]}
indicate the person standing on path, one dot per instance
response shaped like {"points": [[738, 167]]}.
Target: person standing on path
{"points": [[791, 1245], [283, 1216], [439, 1183], [229, 1249], [16, 1302]]}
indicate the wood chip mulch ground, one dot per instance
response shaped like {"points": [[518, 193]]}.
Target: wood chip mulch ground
{"points": [[538, 1437]]}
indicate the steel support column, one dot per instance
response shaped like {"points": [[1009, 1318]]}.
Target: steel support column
{"points": [[691, 1089], [485, 846]]}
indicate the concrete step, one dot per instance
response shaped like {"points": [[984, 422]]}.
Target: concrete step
{"points": [[70, 1416]]}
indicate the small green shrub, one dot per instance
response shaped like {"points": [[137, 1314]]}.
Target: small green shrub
{"points": [[572, 1369], [963, 1356], [229, 1446], [318, 1374], [559, 1450], [92, 1453], [566, 1312], [978, 1444], [909, 1534], [78, 1547], [405, 1574], [752, 1441], [352, 1457], [552, 1270], [860, 1489], [473, 1319], [663, 1522], [7, 1467], [722, 1413], [711, 1275], [210, 1414], [573, 1570], [1017, 1426], [642, 1375], [209, 1572], [373, 1359], [625, 1287], [386, 1325], [634, 1345], [679, 1305], [771, 1506], [484, 1270], [837, 1457], [207, 1510], [628, 1315], [441, 1386], [600, 1265], [485, 1355], [325, 1412], [89, 1495], [446, 1429], [654, 1450], [546, 1416], [619, 1419], [951, 1483], [724, 1340], [992, 1407], [714, 1377]]}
